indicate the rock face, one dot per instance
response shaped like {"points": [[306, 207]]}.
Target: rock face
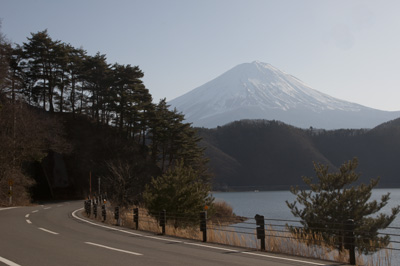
{"points": [[260, 91]]}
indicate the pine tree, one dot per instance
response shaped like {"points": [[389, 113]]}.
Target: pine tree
{"points": [[96, 75], [74, 67], [125, 85], [173, 140], [4, 59], [335, 199], [181, 192], [40, 53]]}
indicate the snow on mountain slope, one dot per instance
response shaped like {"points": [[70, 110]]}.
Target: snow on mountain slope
{"points": [[260, 91]]}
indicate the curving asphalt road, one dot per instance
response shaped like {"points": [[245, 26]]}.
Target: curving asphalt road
{"points": [[57, 234]]}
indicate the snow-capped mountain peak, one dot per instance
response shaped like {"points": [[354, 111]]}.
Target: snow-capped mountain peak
{"points": [[257, 90]]}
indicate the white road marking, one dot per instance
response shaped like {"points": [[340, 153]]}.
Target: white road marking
{"points": [[207, 246], [164, 239], [195, 244], [28, 221], [8, 208], [115, 249], [35, 211], [60, 205], [46, 208], [279, 258], [48, 231], [104, 226], [8, 262], [27, 216]]}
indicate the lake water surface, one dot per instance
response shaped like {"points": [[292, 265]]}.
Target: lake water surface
{"points": [[272, 205]]}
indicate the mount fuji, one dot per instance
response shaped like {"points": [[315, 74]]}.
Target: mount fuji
{"points": [[260, 91]]}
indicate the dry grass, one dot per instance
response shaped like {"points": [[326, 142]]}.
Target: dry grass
{"points": [[222, 213]]}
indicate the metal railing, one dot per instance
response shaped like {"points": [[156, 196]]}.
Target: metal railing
{"points": [[257, 229]]}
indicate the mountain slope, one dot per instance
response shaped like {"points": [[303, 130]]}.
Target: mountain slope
{"points": [[260, 91], [270, 155], [262, 155]]}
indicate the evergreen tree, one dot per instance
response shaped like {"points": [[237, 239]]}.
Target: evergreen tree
{"points": [[126, 82], [74, 67], [16, 76], [40, 53], [173, 140], [96, 75], [334, 199], [4, 61], [181, 192], [62, 80]]}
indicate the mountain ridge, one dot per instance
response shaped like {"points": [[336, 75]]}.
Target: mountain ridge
{"points": [[271, 155], [260, 91]]}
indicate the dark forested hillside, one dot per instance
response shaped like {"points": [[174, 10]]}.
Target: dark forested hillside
{"points": [[259, 154], [378, 150], [67, 117], [263, 154]]}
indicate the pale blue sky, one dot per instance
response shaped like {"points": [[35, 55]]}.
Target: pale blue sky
{"points": [[346, 48]]}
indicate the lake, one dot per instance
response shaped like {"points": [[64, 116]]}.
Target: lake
{"points": [[272, 205]]}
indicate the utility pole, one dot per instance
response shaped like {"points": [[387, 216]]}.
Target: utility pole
{"points": [[99, 184], [90, 184], [10, 183]]}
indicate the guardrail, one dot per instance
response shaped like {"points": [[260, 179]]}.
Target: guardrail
{"points": [[256, 228]]}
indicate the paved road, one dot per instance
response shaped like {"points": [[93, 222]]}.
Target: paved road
{"points": [[56, 234]]}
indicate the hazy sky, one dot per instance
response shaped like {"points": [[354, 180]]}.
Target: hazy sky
{"points": [[348, 49]]}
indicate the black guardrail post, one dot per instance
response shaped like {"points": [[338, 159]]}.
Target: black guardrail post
{"points": [[136, 217], [103, 212], [95, 210], [90, 207], [203, 225], [350, 241], [116, 215], [260, 222], [163, 220]]}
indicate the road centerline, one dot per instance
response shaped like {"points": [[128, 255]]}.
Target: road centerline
{"points": [[48, 231], [115, 249], [8, 262], [7, 208]]}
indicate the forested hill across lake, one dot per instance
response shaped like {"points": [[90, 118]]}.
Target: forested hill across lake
{"points": [[271, 155]]}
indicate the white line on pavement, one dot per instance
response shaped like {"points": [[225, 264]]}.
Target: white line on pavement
{"points": [[195, 244], [104, 226], [123, 231], [8, 262], [8, 208], [279, 258], [46, 208], [207, 246], [115, 249], [35, 211], [27, 216], [164, 239], [48, 231], [28, 221]]}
